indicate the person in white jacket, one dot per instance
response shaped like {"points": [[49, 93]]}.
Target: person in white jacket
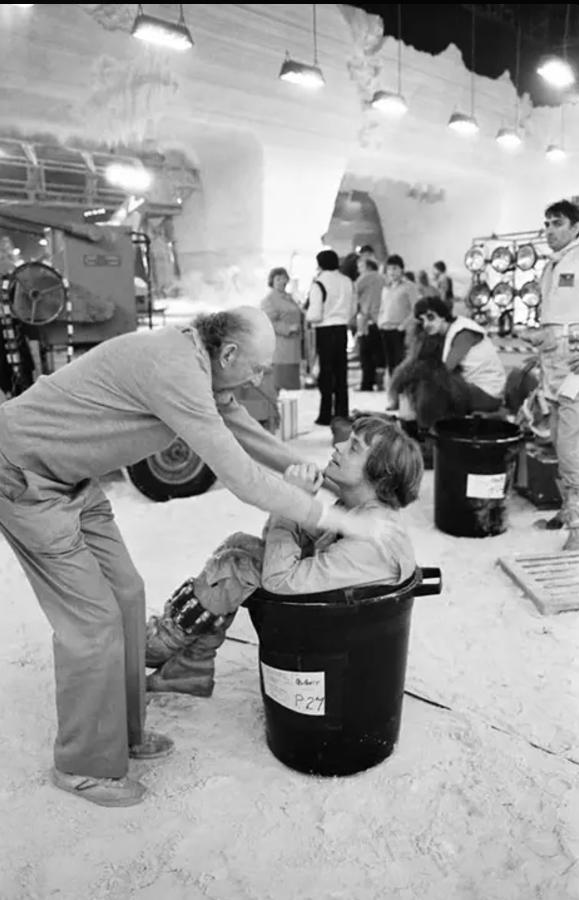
{"points": [[467, 353], [557, 342], [330, 309]]}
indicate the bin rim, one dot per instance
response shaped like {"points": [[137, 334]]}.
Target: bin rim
{"points": [[359, 595], [479, 439]]}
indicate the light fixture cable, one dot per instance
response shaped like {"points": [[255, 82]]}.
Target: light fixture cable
{"points": [[399, 48], [315, 24], [518, 78], [472, 62]]}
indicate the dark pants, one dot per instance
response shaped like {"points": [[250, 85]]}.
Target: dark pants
{"points": [[371, 357], [331, 343], [393, 346]]}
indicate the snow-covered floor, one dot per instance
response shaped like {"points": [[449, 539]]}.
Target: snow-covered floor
{"points": [[479, 802]]}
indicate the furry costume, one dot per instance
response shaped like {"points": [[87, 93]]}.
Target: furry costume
{"points": [[433, 392]]}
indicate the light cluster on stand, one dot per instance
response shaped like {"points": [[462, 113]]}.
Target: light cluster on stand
{"points": [[505, 289]]}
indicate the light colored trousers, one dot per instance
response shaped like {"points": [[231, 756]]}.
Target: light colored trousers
{"points": [[565, 436], [76, 561]]}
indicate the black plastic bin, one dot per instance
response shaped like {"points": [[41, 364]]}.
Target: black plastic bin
{"points": [[474, 469], [332, 669]]}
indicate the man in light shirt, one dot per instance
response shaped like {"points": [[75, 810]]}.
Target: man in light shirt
{"points": [[396, 310], [330, 310]]}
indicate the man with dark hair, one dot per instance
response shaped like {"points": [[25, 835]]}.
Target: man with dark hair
{"points": [[121, 402], [377, 470], [397, 304], [443, 283], [557, 344], [330, 310], [369, 289]]}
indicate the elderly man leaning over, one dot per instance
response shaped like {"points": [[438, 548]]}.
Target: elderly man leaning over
{"points": [[378, 470], [557, 343], [121, 402]]}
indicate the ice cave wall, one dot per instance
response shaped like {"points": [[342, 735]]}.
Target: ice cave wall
{"points": [[271, 156]]}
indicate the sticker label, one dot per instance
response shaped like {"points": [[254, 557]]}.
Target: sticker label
{"points": [[302, 692], [486, 487], [567, 279]]}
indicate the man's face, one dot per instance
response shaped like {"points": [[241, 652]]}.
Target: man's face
{"points": [[243, 363], [433, 323], [560, 231], [394, 274], [346, 468], [362, 267]]}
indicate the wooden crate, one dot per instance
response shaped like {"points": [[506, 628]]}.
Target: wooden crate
{"points": [[551, 580]]}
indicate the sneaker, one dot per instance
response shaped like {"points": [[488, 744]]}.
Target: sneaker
{"points": [[153, 746], [102, 791]]}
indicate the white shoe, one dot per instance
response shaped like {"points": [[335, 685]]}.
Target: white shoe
{"points": [[102, 791]]}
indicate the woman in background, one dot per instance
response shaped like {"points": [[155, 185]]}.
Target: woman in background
{"points": [[287, 320]]}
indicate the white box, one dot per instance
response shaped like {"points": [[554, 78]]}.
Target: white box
{"points": [[288, 413]]}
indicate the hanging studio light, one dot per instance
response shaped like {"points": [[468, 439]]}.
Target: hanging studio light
{"points": [[463, 124], [509, 138], [307, 76], [152, 30], [557, 72], [555, 153], [389, 103], [300, 73]]}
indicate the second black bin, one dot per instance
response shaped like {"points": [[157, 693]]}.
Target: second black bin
{"points": [[474, 468], [332, 670]]}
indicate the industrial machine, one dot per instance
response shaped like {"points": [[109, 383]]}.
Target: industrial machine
{"points": [[79, 291]]}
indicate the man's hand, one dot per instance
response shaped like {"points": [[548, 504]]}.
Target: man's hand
{"points": [[306, 476]]}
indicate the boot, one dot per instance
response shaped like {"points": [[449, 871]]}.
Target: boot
{"points": [[556, 522], [191, 670]]}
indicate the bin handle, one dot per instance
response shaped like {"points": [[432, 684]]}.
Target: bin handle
{"points": [[430, 582]]}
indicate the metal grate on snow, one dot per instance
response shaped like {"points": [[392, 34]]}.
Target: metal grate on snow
{"points": [[551, 580]]}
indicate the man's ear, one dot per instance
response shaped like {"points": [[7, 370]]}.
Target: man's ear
{"points": [[228, 355]]}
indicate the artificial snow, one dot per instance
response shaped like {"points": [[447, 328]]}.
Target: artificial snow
{"points": [[479, 801]]}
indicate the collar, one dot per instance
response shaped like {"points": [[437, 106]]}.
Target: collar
{"points": [[559, 254]]}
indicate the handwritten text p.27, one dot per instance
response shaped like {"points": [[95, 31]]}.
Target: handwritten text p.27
{"points": [[302, 692]]}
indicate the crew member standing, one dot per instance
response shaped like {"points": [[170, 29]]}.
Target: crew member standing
{"points": [[557, 342], [396, 311], [330, 310]]}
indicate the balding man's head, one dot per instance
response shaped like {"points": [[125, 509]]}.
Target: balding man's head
{"points": [[241, 344]]}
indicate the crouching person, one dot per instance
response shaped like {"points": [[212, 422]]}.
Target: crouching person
{"points": [[453, 367], [377, 471]]}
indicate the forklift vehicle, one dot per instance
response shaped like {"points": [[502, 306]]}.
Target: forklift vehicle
{"points": [[80, 292]]}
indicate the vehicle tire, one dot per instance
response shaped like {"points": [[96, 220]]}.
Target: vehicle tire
{"points": [[175, 472]]}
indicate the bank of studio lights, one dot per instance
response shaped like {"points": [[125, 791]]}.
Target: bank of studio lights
{"points": [[502, 260]]}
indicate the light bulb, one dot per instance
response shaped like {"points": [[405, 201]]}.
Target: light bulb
{"points": [[555, 153], [557, 72]]}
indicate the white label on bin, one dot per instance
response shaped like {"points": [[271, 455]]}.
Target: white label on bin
{"points": [[486, 487], [303, 692]]}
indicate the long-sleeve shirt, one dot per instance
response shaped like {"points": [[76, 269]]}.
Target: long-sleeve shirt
{"points": [[369, 289], [307, 561], [397, 305], [127, 399]]}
